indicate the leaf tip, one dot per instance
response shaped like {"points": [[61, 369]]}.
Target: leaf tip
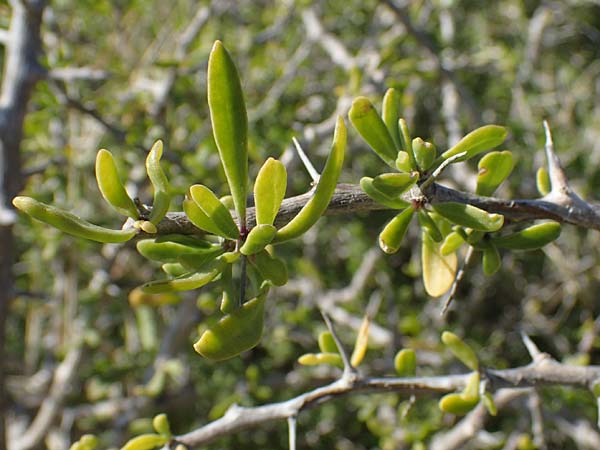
{"points": [[21, 202], [361, 106]]}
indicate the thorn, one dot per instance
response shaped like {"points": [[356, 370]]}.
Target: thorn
{"points": [[533, 349], [348, 369], [459, 276], [292, 425], [307, 164], [373, 305], [558, 178]]}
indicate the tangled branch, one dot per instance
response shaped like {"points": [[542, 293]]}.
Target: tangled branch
{"points": [[541, 372]]}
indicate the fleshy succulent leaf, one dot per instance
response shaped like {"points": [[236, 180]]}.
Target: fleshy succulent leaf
{"points": [[373, 130], [494, 168], [230, 123]]}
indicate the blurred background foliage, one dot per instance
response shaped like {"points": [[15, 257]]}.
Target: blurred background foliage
{"points": [[457, 65]]}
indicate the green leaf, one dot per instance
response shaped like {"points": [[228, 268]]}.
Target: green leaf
{"points": [[366, 184], [111, 187], [199, 218], [407, 143], [395, 184], [438, 270], [315, 359], [146, 442], [452, 242], [429, 226], [491, 259], [390, 114], [464, 402], [195, 262], [472, 387], [162, 189], [373, 130], [269, 191], [70, 223], [392, 234], [469, 216], [327, 343], [235, 333], [490, 405], [229, 122], [174, 269], [137, 298], [168, 251], [317, 205], [259, 237], [270, 267], [210, 204], [424, 153], [405, 363], [494, 168], [186, 282], [403, 162], [86, 442], [531, 238], [160, 423], [477, 141], [457, 404], [461, 350], [230, 299], [542, 181]]}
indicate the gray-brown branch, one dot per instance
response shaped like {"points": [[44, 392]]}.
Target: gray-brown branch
{"points": [[543, 371], [350, 199]]}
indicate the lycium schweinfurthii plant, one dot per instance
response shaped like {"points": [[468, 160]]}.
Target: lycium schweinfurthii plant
{"points": [[191, 262], [445, 226]]}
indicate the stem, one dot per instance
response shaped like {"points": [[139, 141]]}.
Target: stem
{"points": [[243, 281], [438, 171]]}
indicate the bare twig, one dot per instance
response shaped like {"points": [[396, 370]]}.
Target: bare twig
{"points": [[292, 428], [273, 96], [537, 421], [4, 36], [331, 44], [330, 300], [545, 372], [184, 40], [61, 385], [581, 431], [425, 41], [70, 74]]}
